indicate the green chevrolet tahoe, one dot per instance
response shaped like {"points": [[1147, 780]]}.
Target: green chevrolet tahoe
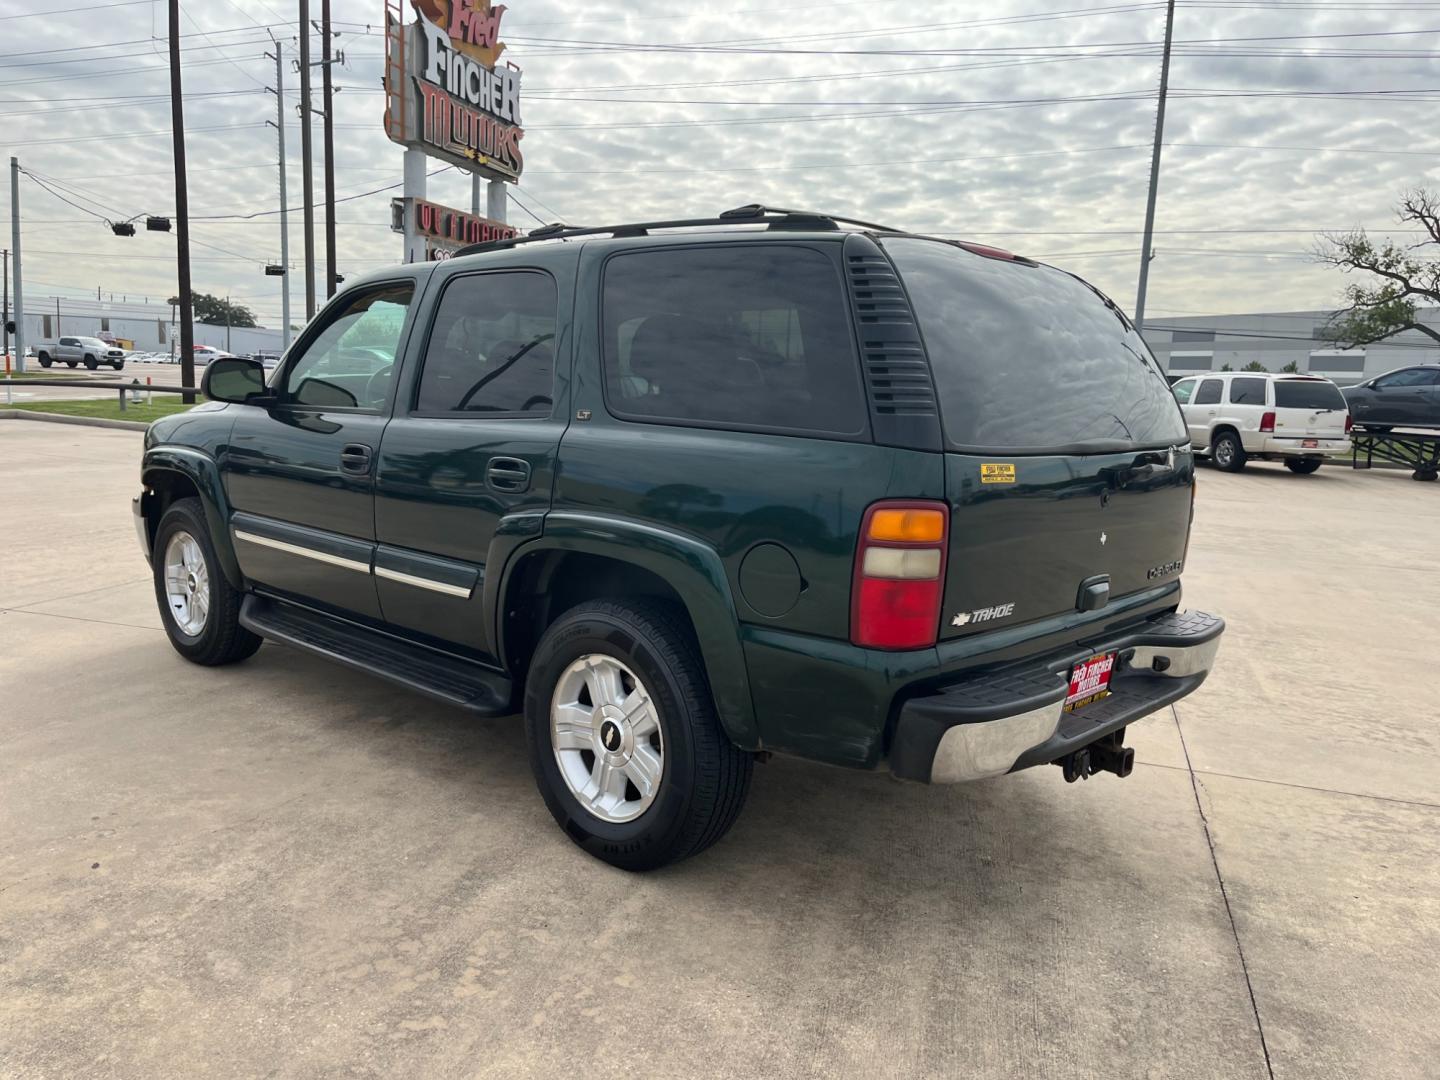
{"points": [[690, 493]]}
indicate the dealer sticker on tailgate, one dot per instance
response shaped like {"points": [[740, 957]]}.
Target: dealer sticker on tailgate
{"points": [[1089, 681]]}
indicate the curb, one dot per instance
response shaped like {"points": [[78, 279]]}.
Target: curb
{"points": [[83, 421]]}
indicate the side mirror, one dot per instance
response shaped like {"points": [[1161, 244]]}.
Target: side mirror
{"points": [[236, 379]]}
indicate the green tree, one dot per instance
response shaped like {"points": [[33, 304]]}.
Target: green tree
{"points": [[1254, 365], [1402, 277], [1291, 368], [1226, 367], [213, 310]]}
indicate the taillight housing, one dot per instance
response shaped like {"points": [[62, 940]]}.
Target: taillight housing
{"points": [[899, 575], [1349, 423], [1267, 422]]}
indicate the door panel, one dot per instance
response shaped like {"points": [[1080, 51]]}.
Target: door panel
{"points": [[438, 505], [283, 467]]}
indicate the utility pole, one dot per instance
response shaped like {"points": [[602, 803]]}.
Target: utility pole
{"points": [[307, 174], [182, 212], [327, 89], [15, 247], [284, 198], [1154, 172], [58, 331], [5, 318], [227, 323]]}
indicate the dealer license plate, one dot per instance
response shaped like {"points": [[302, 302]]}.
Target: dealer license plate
{"points": [[1090, 681], [1308, 444]]}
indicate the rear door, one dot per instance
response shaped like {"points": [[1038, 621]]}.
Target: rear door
{"points": [[1308, 409], [472, 445], [1202, 410], [1067, 461]]}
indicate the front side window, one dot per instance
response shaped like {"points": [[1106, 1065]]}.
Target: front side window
{"points": [[492, 346], [1183, 390], [1408, 377], [1209, 393], [348, 364], [1028, 359], [1247, 391], [751, 336]]}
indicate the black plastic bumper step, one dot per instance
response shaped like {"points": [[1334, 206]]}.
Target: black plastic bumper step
{"points": [[459, 682]]}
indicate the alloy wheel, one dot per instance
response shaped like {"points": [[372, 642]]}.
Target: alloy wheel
{"points": [[187, 583]]}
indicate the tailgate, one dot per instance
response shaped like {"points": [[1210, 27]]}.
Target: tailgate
{"points": [[1025, 532]]}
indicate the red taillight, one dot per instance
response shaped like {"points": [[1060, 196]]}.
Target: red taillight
{"points": [[899, 575], [1267, 422], [1349, 423]]}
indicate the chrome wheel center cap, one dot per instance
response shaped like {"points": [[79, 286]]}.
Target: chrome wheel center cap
{"points": [[613, 738]]}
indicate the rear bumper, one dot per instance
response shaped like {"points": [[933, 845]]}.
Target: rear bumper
{"points": [[1295, 448], [1014, 718]]}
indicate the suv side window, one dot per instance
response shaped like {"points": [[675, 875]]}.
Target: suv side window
{"points": [[737, 335], [1247, 391], [348, 364], [1182, 390], [492, 346], [1208, 394]]}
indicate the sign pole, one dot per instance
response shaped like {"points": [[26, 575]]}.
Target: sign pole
{"points": [[15, 247], [475, 194], [328, 94], [182, 213], [495, 200], [414, 189], [307, 172], [284, 199]]}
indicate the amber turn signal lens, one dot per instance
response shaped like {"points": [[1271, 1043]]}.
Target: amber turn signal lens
{"points": [[907, 526]]}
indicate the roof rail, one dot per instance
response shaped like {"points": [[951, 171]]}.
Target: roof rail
{"points": [[754, 213]]}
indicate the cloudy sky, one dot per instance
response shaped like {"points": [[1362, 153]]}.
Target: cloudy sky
{"points": [[1022, 123]]}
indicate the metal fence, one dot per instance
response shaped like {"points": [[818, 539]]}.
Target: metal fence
{"points": [[129, 391]]}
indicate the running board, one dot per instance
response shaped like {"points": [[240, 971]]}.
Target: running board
{"points": [[469, 685]]}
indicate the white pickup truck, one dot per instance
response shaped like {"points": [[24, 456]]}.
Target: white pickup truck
{"points": [[92, 352]]}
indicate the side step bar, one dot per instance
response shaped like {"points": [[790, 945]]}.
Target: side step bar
{"points": [[471, 686]]}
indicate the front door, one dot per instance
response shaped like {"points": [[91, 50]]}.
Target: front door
{"points": [[473, 442], [300, 473], [1201, 411]]}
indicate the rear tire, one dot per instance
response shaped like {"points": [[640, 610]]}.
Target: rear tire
{"points": [[191, 581], [1303, 466], [44, 360], [617, 693], [1228, 454]]}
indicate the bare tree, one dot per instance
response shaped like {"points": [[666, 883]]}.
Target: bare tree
{"points": [[1404, 277]]}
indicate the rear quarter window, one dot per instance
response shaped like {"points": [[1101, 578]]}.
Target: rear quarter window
{"points": [[1245, 391], [1029, 359], [747, 336]]}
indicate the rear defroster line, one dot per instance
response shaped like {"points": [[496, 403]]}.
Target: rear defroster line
{"points": [[1224, 894]]}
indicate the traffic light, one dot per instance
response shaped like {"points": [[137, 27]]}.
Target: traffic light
{"points": [[274, 270], [157, 224], [122, 228]]}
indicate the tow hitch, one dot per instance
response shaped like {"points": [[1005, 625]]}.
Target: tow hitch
{"points": [[1104, 755]]}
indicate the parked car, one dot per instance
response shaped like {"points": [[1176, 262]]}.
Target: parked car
{"points": [[1235, 416], [203, 354], [71, 351], [692, 498], [1406, 397]]}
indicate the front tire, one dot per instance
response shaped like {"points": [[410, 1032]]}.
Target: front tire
{"points": [[624, 740], [90, 363], [1303, 466], [200, 609], [1228, 454]]}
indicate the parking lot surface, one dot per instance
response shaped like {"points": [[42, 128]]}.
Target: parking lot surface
{"points": [[288, 869]]}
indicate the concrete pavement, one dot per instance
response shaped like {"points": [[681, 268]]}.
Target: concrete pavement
{"points": [[287, 869]]}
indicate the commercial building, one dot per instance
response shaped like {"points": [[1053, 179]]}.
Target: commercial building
{"points": [[1277, 340], [139, 322]]}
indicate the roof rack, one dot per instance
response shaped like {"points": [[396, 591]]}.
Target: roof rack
{"points": [[754, 213]]}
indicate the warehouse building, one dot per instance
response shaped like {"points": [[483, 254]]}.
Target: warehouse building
{"points": [[133, 323], [1185, 346]]}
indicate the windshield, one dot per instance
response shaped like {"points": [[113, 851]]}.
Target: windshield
{"points": [[1029, 359], [1307, 394]]}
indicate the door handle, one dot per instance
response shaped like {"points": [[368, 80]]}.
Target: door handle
{"points": [[508, 474], [355, 459]]}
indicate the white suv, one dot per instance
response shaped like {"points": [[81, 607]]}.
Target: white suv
{"points": [[1237, 415]]}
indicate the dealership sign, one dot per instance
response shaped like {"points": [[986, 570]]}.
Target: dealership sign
{"points": [[446, 91], [444, 229]]}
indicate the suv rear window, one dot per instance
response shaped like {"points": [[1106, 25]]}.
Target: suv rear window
{"points": [[746, 336], [1307, 394], [1029, 359], [1247, 391]]}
